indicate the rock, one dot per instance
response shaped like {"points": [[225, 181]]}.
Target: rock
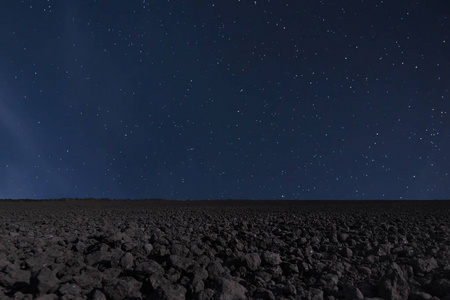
{"points": [[275, 271], [178, 249], [69, 289], [173, 275], [115, 237], [15, 277], [21, 296], [265, 276], [206, 294], [419, 296], [215, 269], [115, 255], [309, 251], [119, 288], [203, 260], [98, 295], [89, 278], [44, 281], [304, 267], [347, 252], [425, 265], [369, 259], [197, 286], [181, 263], [316, 294], [98, 257], [331, 279], [39, 261], [270, 258], [148, 248], [264, 294], [343, 237], [364, 270], [196, 250], [383, 250], [352, 293], [150, 267], [252, 261], [126, 262], [156, 281], [197, 274], [159, 237], [128, 246], [289, 289], [337, 268], [393, 285], [111, 273], [169, 292], [3, 260], [230, 290]]}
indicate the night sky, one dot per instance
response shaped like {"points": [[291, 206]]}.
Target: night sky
{"points": [[225, 99]]}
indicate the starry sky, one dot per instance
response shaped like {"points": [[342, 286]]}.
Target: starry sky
{"points": [[225, 99]]}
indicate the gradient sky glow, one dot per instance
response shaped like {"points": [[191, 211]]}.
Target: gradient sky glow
{"points": [[225, 99]]}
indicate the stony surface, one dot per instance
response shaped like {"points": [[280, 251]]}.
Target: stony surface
{"points": [[105, 249]]}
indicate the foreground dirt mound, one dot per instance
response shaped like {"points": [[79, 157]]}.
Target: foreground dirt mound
{"points": [[91, 249]]}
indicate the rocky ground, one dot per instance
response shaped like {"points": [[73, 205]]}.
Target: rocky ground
{"points": [[104, 249]]}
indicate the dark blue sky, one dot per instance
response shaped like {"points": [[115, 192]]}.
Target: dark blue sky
{"points": [[225, 99]]}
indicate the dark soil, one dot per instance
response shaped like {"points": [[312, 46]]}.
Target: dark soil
{"points": [[111, 249]]}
